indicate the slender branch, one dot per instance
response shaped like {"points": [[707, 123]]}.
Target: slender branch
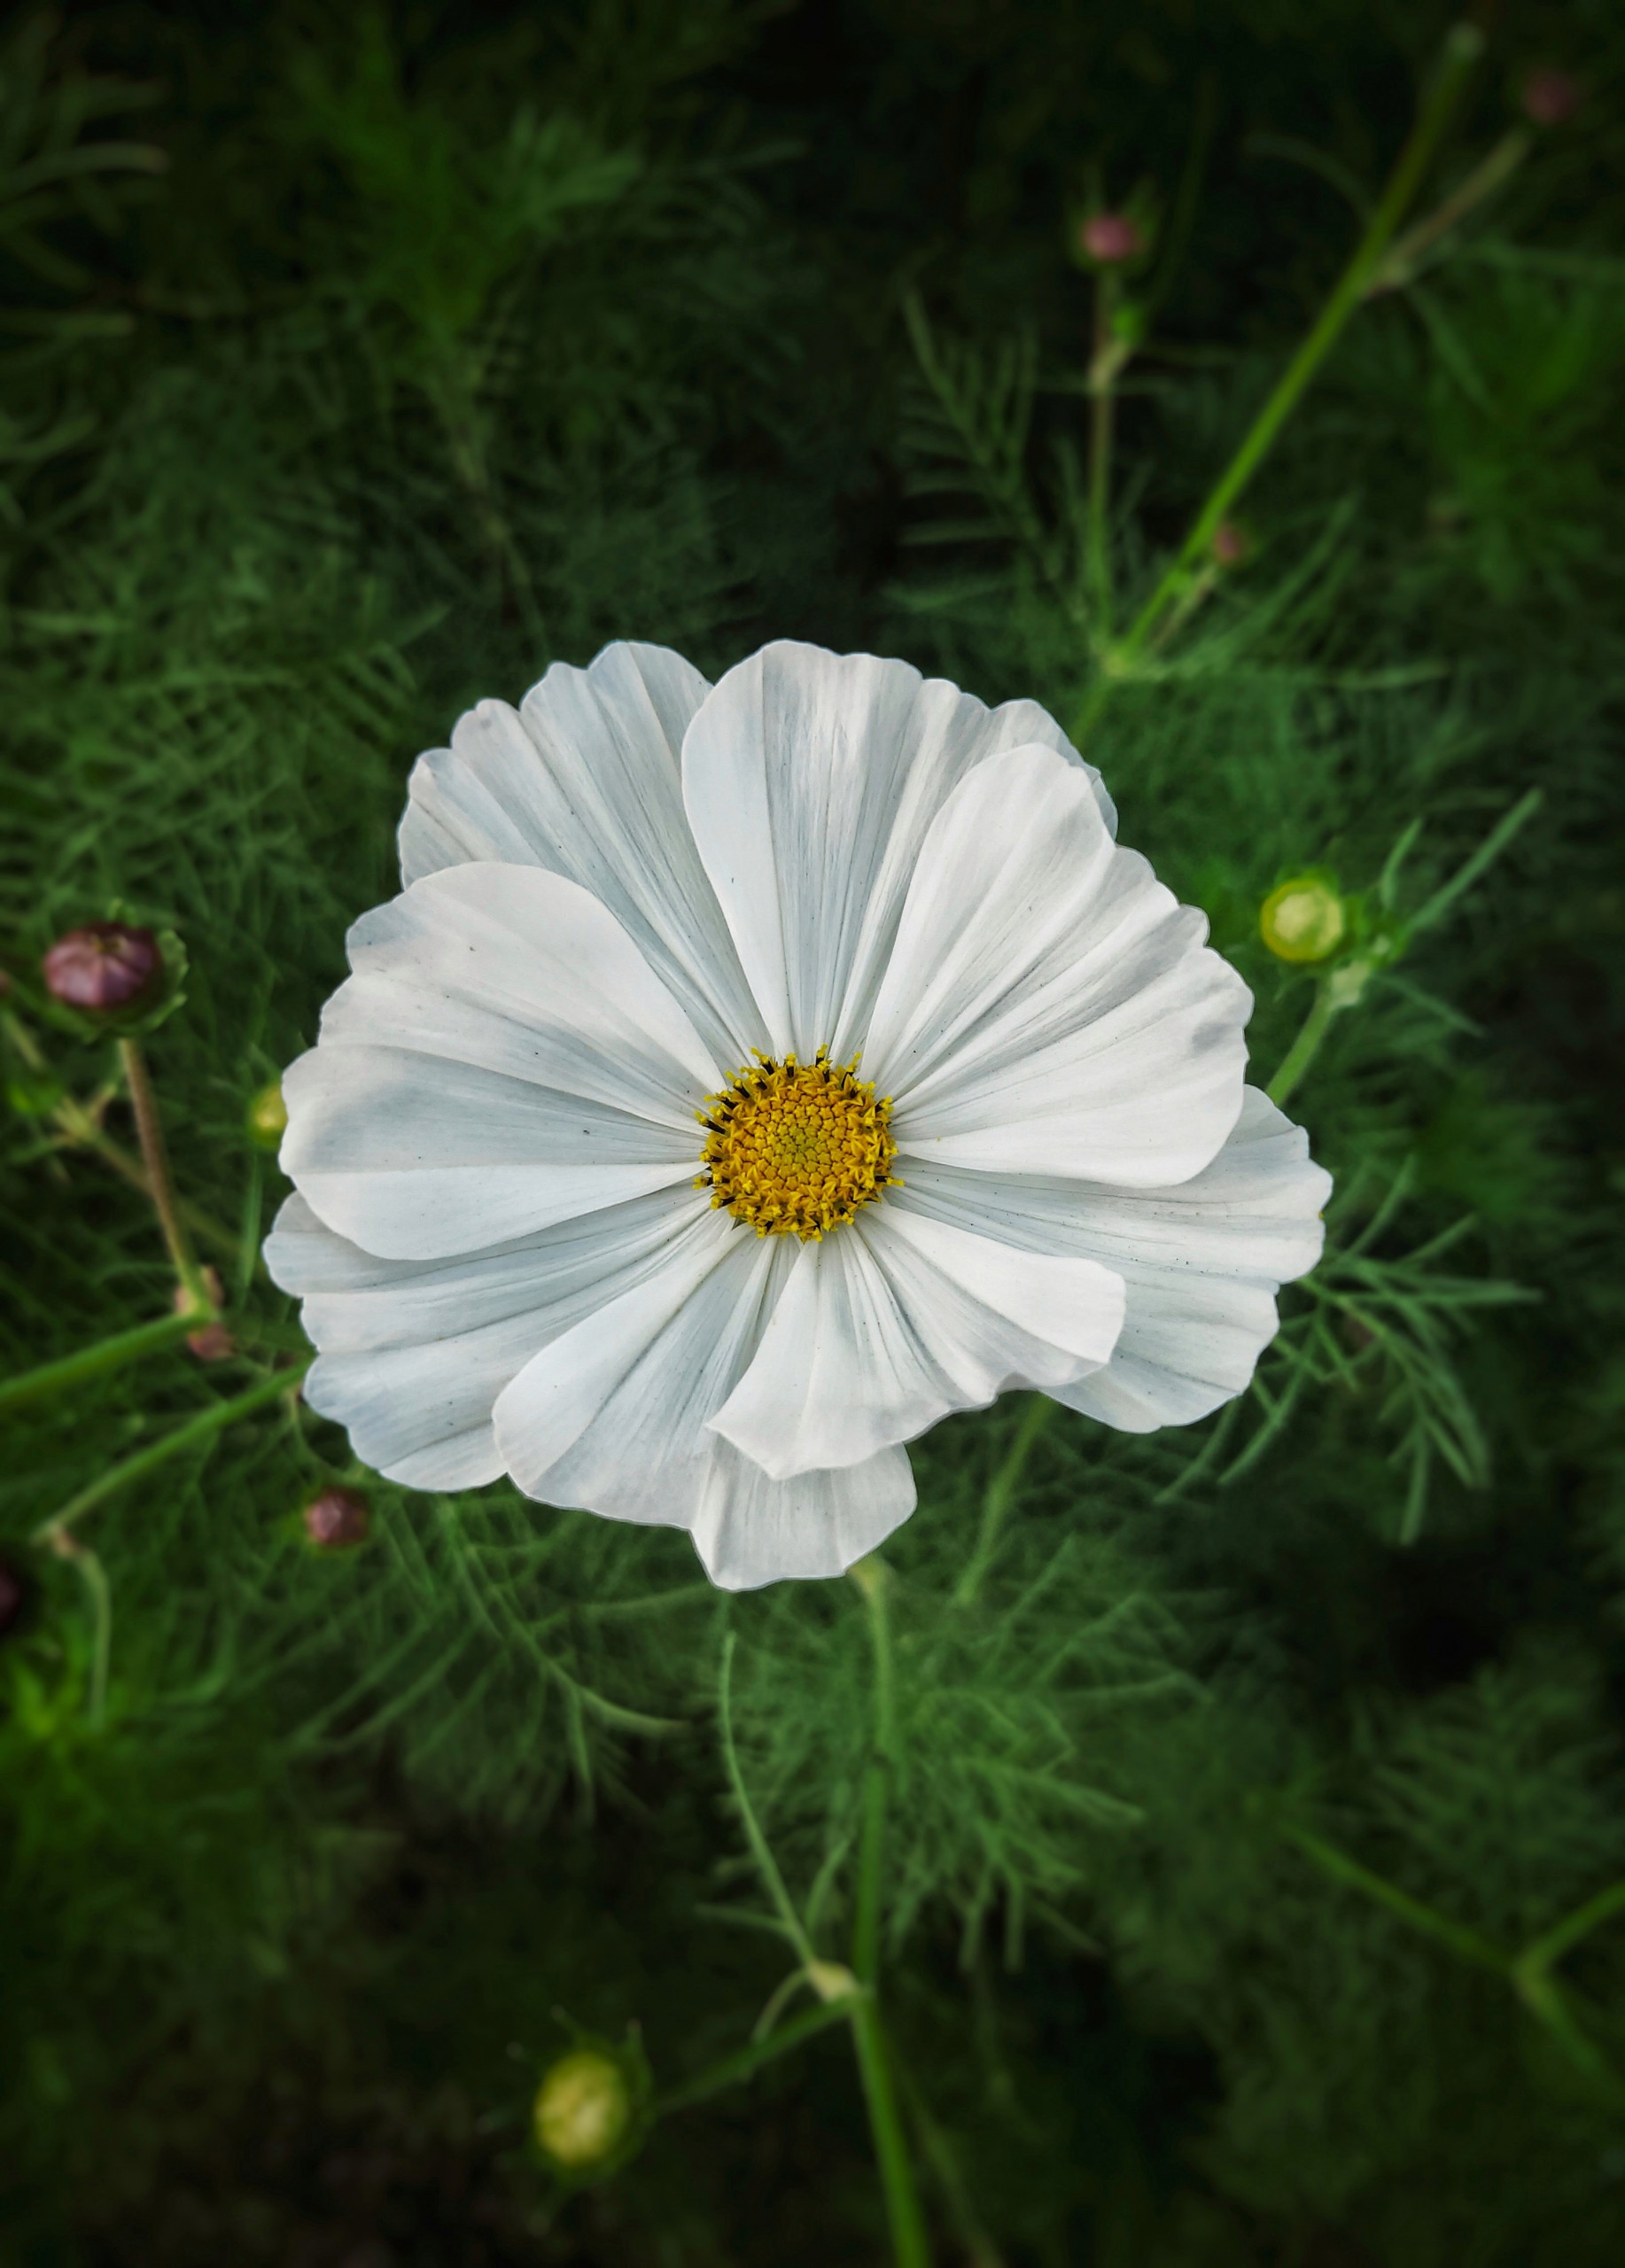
{"points": [[201, 1429], [767, 1865], [160, 1187], [1487, 176], [1305, 1047], [732, 2070], [1462, 48], [1568, 1932], [1465, 1942], [94, 1576], [93, 1362], [1104, 367]]}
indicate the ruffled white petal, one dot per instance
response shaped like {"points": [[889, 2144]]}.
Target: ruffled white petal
{"points": [[612, 1419], [750, 1530], [1049, 1008], [887, 1325], [413, 1355], [584, 779], [811, 780], [1202, 1261], [503, 1058]]}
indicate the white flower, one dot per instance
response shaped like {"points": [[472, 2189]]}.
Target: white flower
{"points": [[642, 903]]}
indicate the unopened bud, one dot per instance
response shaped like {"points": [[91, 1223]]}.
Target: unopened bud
{"points": [[831, 1980], [210, 1342], [1303, 919], [337, 1519], [583, 2110], [1109, 238], [267, 1118], [1232, 543], [1550, 97], [13, 1598], [104, 967]]}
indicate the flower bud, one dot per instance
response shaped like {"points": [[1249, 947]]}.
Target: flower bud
{"points": [[1303, 919], [212, 1342], [1550, 97], [337, 1519], [1231, 544], [104, 967], [583, 2110], [267, 1118], [1110, 238], [13, 1598]]}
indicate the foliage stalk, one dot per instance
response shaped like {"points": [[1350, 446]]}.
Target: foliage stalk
{"points": [[201, 1429], [160, 1186], [733, 2071], [1001, 1494], [95, 1361], [1305, 1047], [1103, 369], [1462, 48]]}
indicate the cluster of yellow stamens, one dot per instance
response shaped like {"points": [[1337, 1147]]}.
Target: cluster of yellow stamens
{"points": [[794, 1149]]}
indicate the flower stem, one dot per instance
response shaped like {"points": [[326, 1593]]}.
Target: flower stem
{"points": [[160, 1187], [1001, 1494], [201, 1429], [1462, 48], [732, 2070], [1103, 369], [94, 1576], [909, 2242], [1305, 1047], [94, 1361]]}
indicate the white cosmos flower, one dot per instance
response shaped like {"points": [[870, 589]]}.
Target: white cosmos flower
{"points": [[590, 1191]]}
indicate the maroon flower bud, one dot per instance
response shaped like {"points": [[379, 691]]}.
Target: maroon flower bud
{"points": [[103, 967], [212, 1342], [13, 1598], [1231, 544], [337, 1519], [1111, 238], [1550, 97]]}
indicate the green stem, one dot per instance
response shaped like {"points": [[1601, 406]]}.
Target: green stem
{"points": [[1568, 1932], [1465, 1942], [733, 2070], [909, 2243], [1305, 1047], [1462, 48], [767, 1865], [1486, 177], [160, 1187], [1102, 378], [1001, 1494], [93, 1362], [208, 1422], [94, 1576]]}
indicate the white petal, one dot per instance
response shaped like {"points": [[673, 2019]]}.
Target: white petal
{"points": [[810, 781], [1202, 1261], [750, 1530], [414, 1353], [1049, 1008], [613, 1419], [503, 1058], [585, 781], [887, 1325]]}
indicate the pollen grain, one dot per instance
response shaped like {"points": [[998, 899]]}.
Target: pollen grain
{"points": [[795, 1149]]}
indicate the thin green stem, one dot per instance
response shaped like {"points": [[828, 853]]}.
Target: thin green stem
{"points": [[1102, 403], [905, 2217], [767, 1865], [94, 1361], [1462, 48], [94, 1577], [201, 1429], [1567, 1933], [160, 1186], [1306, 1046], [731, 2070], [1486, 177], [1001, 1494], [1465, 1942]]}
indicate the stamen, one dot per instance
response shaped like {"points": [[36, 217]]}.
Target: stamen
{"points": [[795, 1149]]}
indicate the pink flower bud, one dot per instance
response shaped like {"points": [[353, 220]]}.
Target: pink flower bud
{"points": [[103, 967], [337, 1519], [1231, 546], [13, 1598], [1111, 238], [1550, 97]]}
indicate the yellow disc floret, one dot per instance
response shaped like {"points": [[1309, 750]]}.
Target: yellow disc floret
{"points": [[793, 1148]]}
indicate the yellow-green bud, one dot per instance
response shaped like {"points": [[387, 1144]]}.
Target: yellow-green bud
{"points": [[267, 1118], [1303, 919], [583, 2110]]}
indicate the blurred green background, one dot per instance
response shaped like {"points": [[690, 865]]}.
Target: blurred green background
{"points": [[356, 364]]}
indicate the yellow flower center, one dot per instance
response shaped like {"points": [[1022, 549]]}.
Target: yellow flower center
{"points": [[795, 1148]]}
